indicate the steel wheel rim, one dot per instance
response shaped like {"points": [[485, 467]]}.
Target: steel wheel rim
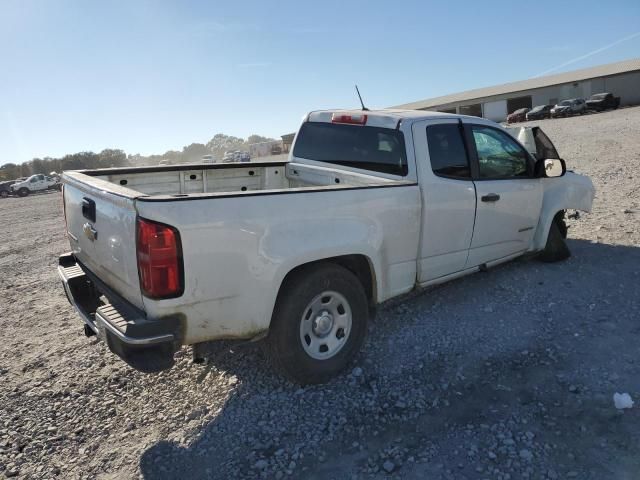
{"points": [[325, 325]]}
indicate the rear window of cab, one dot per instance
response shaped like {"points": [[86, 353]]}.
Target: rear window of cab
{"points": [[358, 146]]}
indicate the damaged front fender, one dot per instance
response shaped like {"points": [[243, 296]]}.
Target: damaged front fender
{"points": [[571, 191]]}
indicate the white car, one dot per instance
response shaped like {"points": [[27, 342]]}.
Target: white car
{"points": [[570, 107], [35, 183], [229, 157], [370, 205]]}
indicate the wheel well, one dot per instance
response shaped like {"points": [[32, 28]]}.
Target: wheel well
{"points": [[559, 219], [359, 265]]}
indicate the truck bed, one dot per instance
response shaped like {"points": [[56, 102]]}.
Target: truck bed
{"points": [[201, 179], [252, 221]]}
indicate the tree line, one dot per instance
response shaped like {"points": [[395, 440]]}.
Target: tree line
{"points": [[109, 157]]}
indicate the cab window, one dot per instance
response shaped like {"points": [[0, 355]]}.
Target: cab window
{"points": [[447, 152], [499, 155], [369, 148]]}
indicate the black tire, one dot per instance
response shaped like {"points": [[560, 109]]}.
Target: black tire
{"points": [[284, 343], [556, 248], [23, 192], [4, 194]]}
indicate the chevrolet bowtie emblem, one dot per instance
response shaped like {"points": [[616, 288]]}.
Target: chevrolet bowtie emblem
{"points": [[90, 232]]}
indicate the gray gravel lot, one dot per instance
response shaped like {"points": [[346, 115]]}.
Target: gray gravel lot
{"points": [[507, 374]]}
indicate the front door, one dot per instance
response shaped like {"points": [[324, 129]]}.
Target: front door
{"points": [[35, 184], [509, 196]]}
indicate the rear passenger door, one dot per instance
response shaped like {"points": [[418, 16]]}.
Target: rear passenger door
{"points": [[448, 197], [509, 196]]}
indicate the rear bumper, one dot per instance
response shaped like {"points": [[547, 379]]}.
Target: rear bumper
{"points": [[145, 344]]}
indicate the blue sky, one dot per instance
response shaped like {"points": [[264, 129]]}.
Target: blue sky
{"points": [[149, 76]]}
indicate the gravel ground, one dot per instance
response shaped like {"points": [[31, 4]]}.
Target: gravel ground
{"points": [[502, 375]]}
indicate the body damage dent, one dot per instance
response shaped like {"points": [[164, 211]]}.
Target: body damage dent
{"points": [[571, 191]]}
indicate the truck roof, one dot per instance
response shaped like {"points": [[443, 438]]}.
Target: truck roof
{"points": [[386, 118]]}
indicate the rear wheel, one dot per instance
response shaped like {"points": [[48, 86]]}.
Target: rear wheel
{"points": [[556, 248], [319, 323], [23, 192], [4, 194]]}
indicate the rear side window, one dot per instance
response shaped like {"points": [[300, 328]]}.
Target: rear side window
{"points": [[447, 152], [370, 148]]}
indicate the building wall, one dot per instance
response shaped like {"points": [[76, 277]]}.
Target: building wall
{"points": [[625, 85]]}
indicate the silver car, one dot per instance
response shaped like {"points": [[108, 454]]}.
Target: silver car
{"points": [[570, 107]]}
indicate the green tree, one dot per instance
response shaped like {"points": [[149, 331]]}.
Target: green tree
{"points": [[258, 139], [110, 157], [194, 152]]}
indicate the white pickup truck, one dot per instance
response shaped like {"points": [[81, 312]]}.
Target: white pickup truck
{"points": [[369, 205], [35, 183]]}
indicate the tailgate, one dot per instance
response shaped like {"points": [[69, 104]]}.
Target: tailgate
{"points": [[101, 223]]}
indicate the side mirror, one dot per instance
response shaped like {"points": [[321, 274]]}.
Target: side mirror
{"points": [[550, 168]]}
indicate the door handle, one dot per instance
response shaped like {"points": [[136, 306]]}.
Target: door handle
{"points": [[492, 197], [89, 209]]}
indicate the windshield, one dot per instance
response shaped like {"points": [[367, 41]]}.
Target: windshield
{"points": [[538, 108], [369, 148], [565, 103], [598, 96]]}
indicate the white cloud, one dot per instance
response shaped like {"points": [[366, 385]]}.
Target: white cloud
{"points": [[590, 54]]}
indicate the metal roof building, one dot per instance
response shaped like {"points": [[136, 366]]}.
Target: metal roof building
{"points": [[621, 78]]}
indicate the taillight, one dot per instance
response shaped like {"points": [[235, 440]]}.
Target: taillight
{"points": [[358, 119], [159, 260]]}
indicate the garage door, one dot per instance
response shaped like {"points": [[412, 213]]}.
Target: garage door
{"points": [[496, 111], [514, 104]]}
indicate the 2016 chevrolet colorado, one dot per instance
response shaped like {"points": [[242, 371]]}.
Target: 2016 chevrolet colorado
{"points": [[369, 205]]}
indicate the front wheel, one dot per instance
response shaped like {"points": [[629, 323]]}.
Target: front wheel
{"points": [[4, 194], [23, 192], [556, 248], [319, 323]]}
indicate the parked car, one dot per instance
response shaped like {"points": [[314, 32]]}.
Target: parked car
{"points": [[276, 149], [236, 156], [519, 115], [35, 183], [539, 112], [370, 205], [566, 108], [228, 157], [603, 101], [5, 188]]}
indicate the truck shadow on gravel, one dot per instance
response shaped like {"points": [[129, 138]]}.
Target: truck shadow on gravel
{"points": [[519, 389]]}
